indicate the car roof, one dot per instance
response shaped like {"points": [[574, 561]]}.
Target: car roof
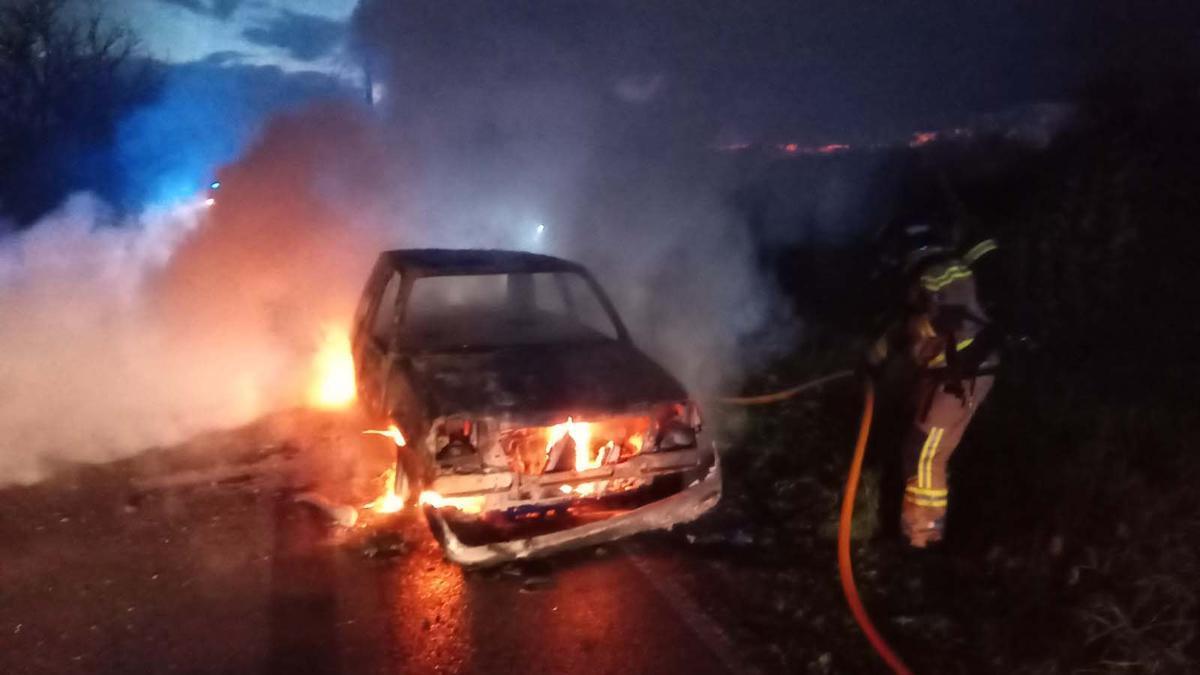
{"points": [[431, 262]]}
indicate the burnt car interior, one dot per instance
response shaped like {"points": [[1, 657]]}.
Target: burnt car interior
{"points": [[449, 313]]}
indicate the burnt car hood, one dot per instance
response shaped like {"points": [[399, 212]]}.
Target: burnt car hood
{"points": [[590, 377]]}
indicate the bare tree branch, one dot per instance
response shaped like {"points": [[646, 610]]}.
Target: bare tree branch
{"points": [[66, 77]]}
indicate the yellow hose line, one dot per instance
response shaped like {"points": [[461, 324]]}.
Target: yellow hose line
{"points": [[786, 393]]}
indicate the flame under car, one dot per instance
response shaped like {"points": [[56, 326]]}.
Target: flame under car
{"points": [[533, 423]]}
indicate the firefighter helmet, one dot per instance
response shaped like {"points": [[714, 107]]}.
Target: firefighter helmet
{"points": [[920, 242], [907, 245]]}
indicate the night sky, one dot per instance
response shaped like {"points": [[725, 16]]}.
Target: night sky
{"points": [[753, 70]]}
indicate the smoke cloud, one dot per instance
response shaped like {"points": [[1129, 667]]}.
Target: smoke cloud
{"points": [[89, 371], [543, 117], [121, 335]]}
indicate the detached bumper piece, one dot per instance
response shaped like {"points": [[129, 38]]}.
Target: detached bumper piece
{"points": [[682, 503]]}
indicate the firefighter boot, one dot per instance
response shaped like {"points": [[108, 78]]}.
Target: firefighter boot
{"points": [[922, 525]]}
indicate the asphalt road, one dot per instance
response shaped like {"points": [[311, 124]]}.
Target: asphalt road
{"points": [[199, 559]]}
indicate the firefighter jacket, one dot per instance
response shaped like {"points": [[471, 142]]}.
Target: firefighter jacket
{"points": [[943, 316]]}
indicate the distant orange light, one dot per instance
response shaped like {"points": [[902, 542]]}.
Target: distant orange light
{"points": [[831, 148], [332, 383], [733, 147], [923, 138]]}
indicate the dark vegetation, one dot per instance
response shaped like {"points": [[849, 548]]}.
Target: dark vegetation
{"points": [[66, 80], [1074, 533]]}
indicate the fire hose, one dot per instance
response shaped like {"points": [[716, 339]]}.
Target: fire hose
{"points": [[786, 393], [845, 566]]}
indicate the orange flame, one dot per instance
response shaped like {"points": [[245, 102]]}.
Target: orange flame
{"points": [[333, 372], [392, 432], [586, 457], [389, 501], [582, 490], [470, 504], [581, 434]]}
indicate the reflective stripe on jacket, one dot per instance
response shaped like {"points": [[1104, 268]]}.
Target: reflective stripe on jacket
{"points": [[943, 288], [949, 284]]}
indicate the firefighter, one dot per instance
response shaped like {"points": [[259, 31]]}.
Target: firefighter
{"points": [[950, 342]]}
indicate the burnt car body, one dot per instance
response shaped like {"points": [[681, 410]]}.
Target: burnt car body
{"points": [[532, 423]]}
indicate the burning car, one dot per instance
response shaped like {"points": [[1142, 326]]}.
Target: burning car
{"points": [[524, 418]]}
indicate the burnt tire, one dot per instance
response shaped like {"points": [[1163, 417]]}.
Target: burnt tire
{"points": [[437, 525]]}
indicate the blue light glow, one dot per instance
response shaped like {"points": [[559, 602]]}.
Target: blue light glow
{"points": [[203, 119]]}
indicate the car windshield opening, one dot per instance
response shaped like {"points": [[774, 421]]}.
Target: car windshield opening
{"points": [[485, 311]]}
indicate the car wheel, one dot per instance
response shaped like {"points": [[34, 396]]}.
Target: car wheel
{"points": [[437, 525], [404, 485]]}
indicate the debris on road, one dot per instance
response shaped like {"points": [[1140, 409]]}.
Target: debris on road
{"points": [[343, 515], [533, 575], [384, 545], [737, 537]]}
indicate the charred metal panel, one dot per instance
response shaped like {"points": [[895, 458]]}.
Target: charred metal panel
{"points": [[686, 506], [451, 262], [562, 379]]}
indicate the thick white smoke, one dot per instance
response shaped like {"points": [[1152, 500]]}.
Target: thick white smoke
{"points": [[90, 369], [523, 139], [120, 335]]}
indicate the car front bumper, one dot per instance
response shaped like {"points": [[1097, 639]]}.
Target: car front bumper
{"points": [[684, 506]]}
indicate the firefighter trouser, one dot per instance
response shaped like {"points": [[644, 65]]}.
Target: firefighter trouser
{"points": [[940, 419]]}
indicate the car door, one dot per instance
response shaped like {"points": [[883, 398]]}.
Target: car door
{"points": [[373, 340], [365, 310]]}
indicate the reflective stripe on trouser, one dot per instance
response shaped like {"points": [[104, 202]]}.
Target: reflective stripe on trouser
{"points": [[941, 419]]}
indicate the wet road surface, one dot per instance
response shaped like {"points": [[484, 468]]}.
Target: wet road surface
{"points": [[149, 568], [593, 612]]}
